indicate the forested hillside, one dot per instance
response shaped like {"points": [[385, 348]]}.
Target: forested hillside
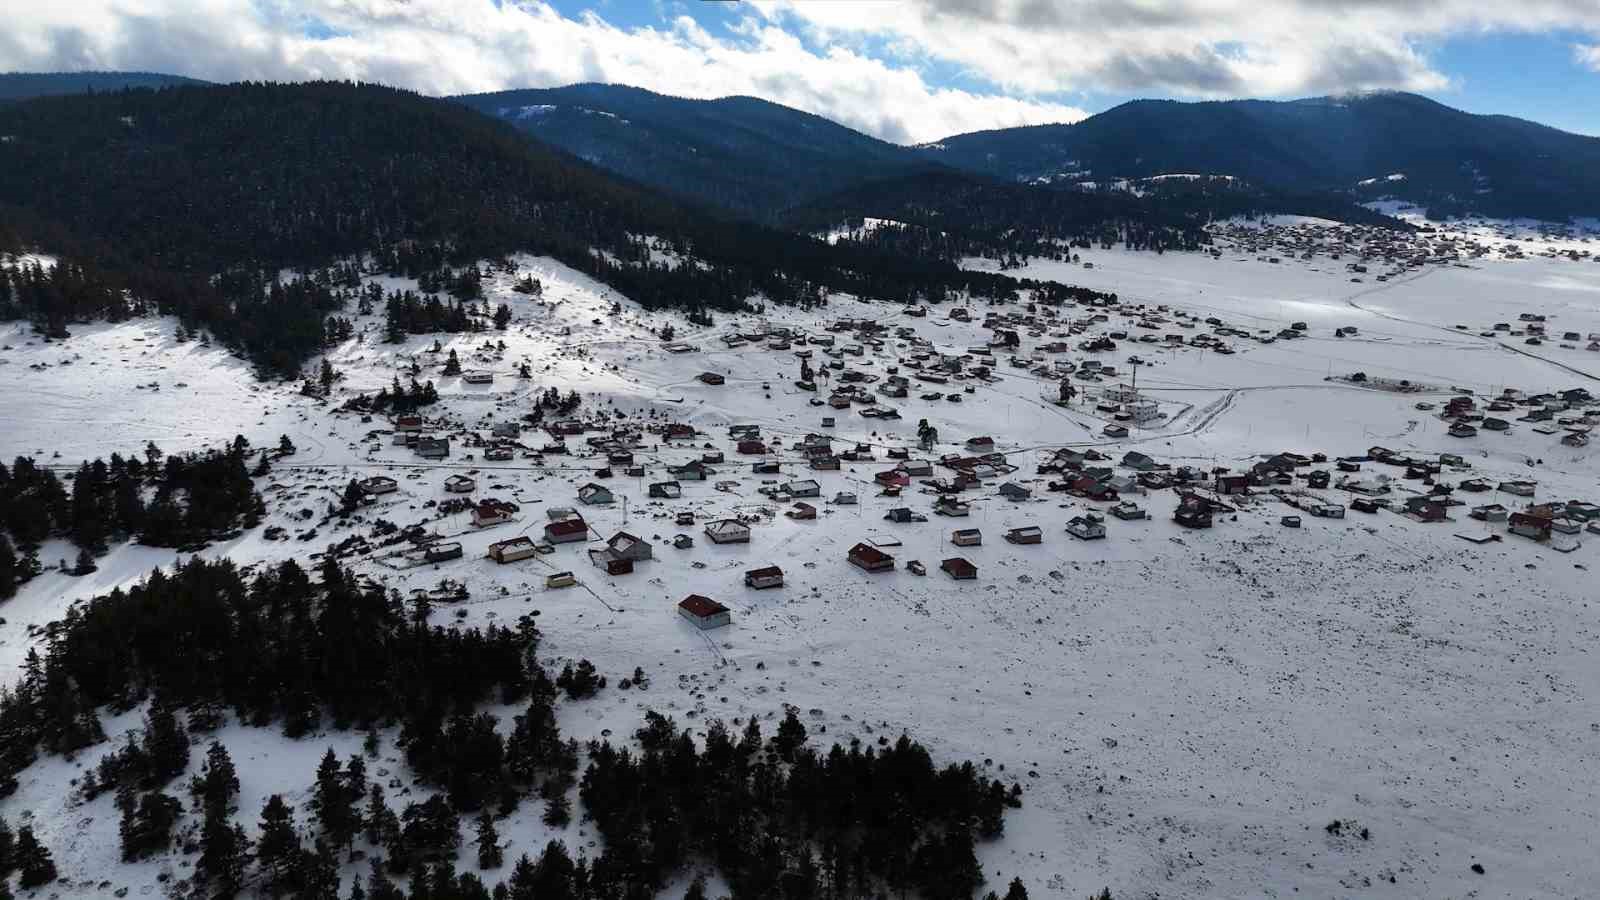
{"points": [[153, 194], [741, 154]]}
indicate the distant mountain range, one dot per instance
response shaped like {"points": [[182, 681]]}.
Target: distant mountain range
{"points": [[752, 159], [760, 159], [1371, 145]]}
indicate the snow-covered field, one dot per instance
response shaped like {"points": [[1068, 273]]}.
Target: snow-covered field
{"points": [[1186, 709]]}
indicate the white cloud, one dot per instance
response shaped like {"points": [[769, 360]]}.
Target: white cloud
{"points": [[1587, 55], [460, 46], [1201, 48], [861, 63]]}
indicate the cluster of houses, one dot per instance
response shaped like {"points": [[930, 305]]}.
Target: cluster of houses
{"points": [[1570, 414]]}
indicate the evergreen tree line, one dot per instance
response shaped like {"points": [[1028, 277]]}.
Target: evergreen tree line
{"points": [[288, 647], [158, 500]]}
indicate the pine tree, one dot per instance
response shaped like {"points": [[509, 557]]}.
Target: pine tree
{"points": [[224, 851], [490, 856], [558, 811], [32, 860], [791, 735], [10, 574], [334, 803], [166, 742], [7, 850], [278, 850], [502, 317], [1016, 890], [697, 889], [452, 365]]}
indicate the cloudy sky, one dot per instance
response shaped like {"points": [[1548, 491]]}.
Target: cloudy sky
{"points": [[903, 70]]}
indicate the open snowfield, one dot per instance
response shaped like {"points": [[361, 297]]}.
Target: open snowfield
{"points": [[1186, 710]]}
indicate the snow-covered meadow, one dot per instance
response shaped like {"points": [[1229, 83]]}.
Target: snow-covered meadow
{"points": [[1186, 710]]}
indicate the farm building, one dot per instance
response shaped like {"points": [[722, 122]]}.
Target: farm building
{"points": [[966, 537], [751, 448], [959, 569], [518, 548], [566, 531], [870, 558], [704, 612], [728, 531], [766, 577], [379, 484], [950, 506], [593, 494], [460, 484]]}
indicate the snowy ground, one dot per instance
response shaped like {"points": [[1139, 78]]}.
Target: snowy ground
{"points": [[1186, 710]]}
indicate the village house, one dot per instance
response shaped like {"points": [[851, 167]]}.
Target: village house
{"points": [[950, 506], [728, 531], [441, 552], [802, 512], [704, 612], [379, 484], [825, 463], [1015, 492], [765, 577], [593, 494], [508, 430], [408, 423], [433, 448], [512, 550], [1137, 461], [1193, 512], [666, 490], [478, 377], [1425, 509], [966, 537], [1026, 534], [1490, 512], [751, 447], [693, 470], [1518, 488], [844, 498], [566, 531], [1531, 526], [460, 484], [870, 558], [492, 512], [959, 569], [1086, 528], [805, 488], [498, 453], [1129, 512], [904, 514]]}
